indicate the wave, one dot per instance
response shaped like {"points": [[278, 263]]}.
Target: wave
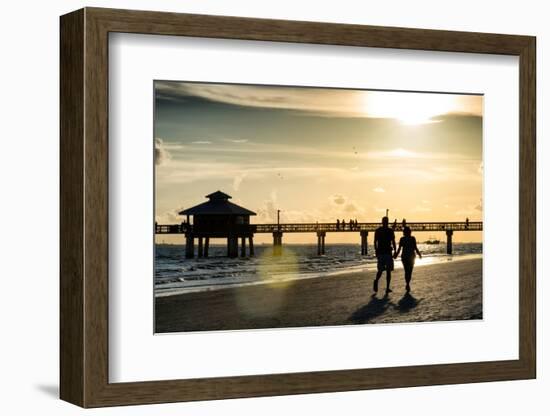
{"points": [[174, 274]]}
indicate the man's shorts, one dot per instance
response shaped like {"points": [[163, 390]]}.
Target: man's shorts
{"points": [[385, 262]]}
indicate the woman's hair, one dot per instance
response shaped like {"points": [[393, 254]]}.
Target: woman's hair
{"points": [[407, 231]]}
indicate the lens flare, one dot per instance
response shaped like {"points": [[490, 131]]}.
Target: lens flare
{"points": [[276, 274]]}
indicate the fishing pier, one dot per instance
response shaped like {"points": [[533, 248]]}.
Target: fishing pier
{"points": [[220, 218]]}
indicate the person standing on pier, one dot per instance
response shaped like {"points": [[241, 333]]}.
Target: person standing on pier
{"points": [[384, 246], [407, 243]]}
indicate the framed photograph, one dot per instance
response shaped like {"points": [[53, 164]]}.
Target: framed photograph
{"points": [[255, 207]]}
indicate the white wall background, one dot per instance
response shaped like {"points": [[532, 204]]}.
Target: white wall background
{"points": [[29, 207]]}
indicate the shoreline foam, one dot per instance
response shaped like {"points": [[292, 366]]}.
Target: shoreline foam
{"points": [[369, 267]]}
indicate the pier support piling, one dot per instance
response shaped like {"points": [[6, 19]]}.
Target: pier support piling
{"points": [[364, 242], [277, 243], [449, 241], [251, 246], [321, 242], [200, 249], [232, 247], [243, 247], [206, 246], [189, 246]]}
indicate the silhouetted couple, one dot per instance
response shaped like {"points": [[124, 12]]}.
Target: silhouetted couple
{"points": [[384, 246]]}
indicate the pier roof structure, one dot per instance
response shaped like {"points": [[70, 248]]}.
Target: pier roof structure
{"points": [[218, 204]]}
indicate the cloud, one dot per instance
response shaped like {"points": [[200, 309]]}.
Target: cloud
{"points": [[197, 166], [287, 98], [352, 207], [379, 189], [225, 148], [268, 212], [238, 180], [472, 210], [329, 102], [303, 216], [342, 205], [174, 146], [161, 154], [400, 153], [236, 140], [170, 217], [422, 208]]}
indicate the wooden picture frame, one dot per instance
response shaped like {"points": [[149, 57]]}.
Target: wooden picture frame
{"points": [[84, 207]]}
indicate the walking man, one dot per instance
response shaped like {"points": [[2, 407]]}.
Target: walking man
{"points": [[384, 246]]}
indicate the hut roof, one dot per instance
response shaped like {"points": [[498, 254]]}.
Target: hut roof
{"points": [[218, 204], [218, 195]]}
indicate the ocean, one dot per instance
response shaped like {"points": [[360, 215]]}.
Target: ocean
{"points": [[174, 274]]}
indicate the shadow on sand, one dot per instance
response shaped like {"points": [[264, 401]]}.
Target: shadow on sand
{"points": [[407, 302], [374, 308], [377, 307]]}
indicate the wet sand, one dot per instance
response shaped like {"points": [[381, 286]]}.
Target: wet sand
{"points": [[440, 292]]}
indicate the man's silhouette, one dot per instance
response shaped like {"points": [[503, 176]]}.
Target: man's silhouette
{"points": [[384, 246]]}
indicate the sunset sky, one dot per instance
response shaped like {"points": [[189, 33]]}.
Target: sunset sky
{"points": [[319, 154]]}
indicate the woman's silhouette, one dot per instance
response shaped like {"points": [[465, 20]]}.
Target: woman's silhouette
{"points": [[407, 243]]}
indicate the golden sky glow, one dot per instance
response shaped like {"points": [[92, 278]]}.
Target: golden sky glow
{"points": [[319, 154], [418, 108]]}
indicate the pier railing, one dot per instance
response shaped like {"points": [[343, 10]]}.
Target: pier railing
{"points": [[368, 226], [170, 228], [335, 227], [204, 232]]}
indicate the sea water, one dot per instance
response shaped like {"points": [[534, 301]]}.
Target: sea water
{"points": [[174, 274]]}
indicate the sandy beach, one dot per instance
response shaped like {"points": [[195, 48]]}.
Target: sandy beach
{"points": [[440, 292]]}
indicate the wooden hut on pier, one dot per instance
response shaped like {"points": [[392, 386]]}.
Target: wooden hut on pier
{"points": [[218, 218]]}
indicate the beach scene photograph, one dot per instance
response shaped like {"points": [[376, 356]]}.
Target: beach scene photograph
{"points": [[295, 206]]}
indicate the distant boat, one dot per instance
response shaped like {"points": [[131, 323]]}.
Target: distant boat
{"points": [[432, 240]]}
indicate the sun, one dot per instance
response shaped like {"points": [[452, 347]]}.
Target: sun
{"points": [[409, 108], [401, 153]]}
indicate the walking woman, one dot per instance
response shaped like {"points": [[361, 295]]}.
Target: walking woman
{"points": [[407, 243]]}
